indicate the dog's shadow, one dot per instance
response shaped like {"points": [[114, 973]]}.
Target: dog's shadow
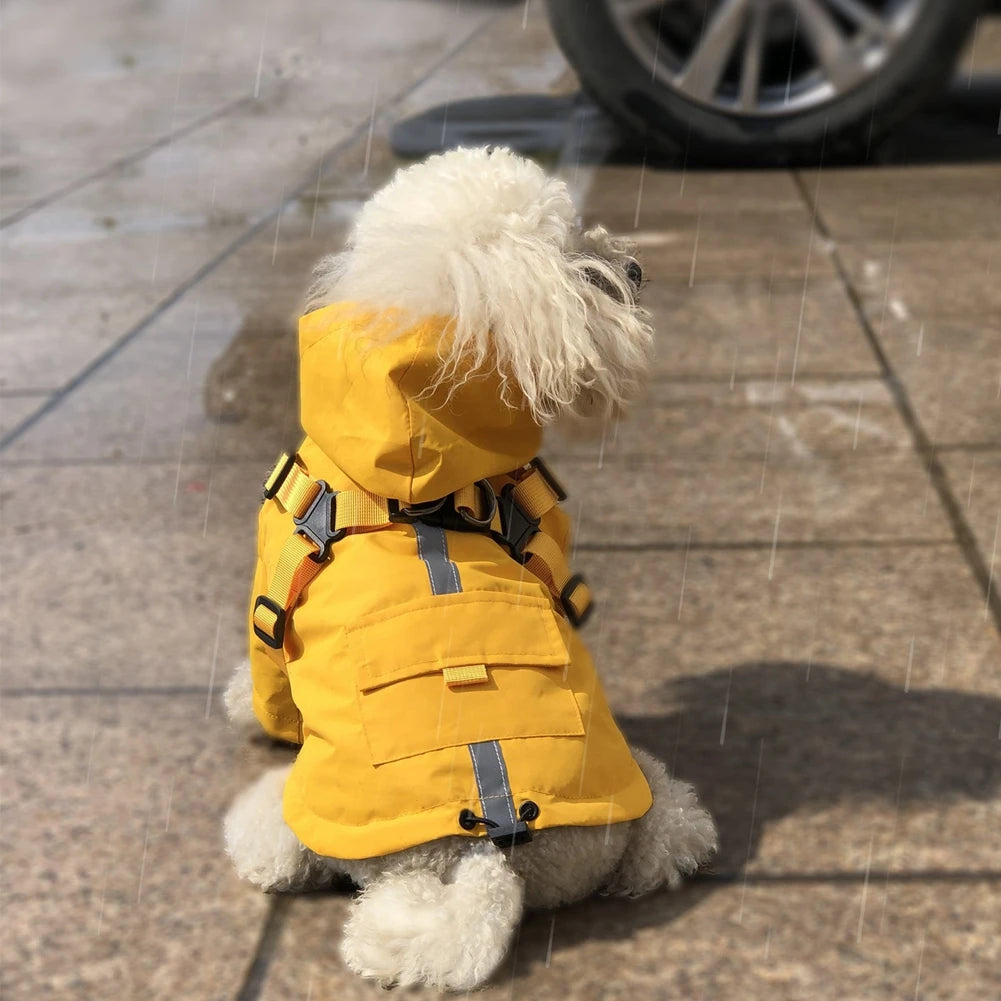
{"points": [[797, 738]]}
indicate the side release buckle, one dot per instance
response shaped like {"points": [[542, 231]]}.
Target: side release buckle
{"points": [[316, 523], [517, 528]]}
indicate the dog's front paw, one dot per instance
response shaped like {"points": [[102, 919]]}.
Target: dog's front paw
{"points": [[262, 847]]}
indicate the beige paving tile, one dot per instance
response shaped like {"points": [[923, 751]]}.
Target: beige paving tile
{"points": [[844, 497], [157, 221], [73, 108], [15, 408], [753, 328], [107, 97], [955, 279], [139, 577], [226, 348], [769, 420], [935, 312], [778, 942], [975, 478], [913, 617], [115, 881], [68, 303], [709, 227], [899, 206]]}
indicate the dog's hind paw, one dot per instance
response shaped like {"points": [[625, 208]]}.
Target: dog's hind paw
{"points": [[410, 928]]}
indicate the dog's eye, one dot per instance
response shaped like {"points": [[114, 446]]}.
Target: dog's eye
{"points": [[634, 273]]}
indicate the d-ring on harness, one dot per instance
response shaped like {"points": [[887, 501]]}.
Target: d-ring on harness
{"points": [[322, 517]]}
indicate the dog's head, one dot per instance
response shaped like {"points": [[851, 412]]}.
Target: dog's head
{"points": [[487, 238]]}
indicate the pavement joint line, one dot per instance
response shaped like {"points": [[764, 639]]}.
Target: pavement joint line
{"points": [[725, 379], [757, 545], [265, 461], [850, 876], [264, 951], [290, 195], [123, 161], [923, 446]]}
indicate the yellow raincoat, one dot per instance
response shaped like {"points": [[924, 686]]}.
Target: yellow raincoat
{"points": [[392, 754]]}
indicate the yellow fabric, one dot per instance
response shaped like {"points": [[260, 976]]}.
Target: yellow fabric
{"points": [[365, 401], [384, 762]]}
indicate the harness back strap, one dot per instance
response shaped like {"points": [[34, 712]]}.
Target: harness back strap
{"points": [[537, 494], [322, 517]]}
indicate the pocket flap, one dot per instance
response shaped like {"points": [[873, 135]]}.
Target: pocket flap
{"points": [[472, 627]]}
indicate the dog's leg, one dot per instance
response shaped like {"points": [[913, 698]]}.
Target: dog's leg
{"points": [[669, 841], [238, 699], [410, 927], [262, 846]]}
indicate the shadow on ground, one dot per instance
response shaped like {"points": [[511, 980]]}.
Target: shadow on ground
{"points": [[763, 741], [961, 127]]}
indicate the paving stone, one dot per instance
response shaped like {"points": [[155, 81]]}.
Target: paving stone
{"points": [[17, 406], [115, 880], [139, 578], [975, 478], [940, 202], [913, 616], [837, 498], [753, 328], [776, 942], [158, 220], [933, 310], [711, 227]]}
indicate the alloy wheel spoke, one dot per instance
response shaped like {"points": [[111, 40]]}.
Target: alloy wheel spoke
{"points": [[858, 13], [829, 44], [701, 76], [754, 50]]}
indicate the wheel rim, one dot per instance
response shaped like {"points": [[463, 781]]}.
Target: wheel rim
{"points": [[763, 57]]}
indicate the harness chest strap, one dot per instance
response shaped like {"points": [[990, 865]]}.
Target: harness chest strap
{"points": [[320, 524]]}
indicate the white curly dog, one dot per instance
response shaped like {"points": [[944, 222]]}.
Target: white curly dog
{"points": [[554, 308]]}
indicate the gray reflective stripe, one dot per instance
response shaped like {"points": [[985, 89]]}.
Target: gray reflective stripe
{"points": [[496, 801], [432, 546]]}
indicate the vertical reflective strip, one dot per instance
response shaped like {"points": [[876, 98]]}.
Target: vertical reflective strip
{"points": [[432, 546], [496, 801]]}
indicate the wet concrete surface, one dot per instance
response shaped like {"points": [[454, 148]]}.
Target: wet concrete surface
{"points": [[797, 578]]}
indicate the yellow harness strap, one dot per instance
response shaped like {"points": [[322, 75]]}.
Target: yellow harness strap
{"points": [[536, 495], [303, 556], [317, 526]]}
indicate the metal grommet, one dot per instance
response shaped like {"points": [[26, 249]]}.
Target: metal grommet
{"points": [[528, 811], [468, 821]]}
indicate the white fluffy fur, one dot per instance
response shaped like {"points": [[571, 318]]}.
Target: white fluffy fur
{"points": [[487, 239], [410, 926], [238, 700], [261, 845]]}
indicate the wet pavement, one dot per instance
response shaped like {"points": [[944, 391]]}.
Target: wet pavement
{"points": [[797, 576]]}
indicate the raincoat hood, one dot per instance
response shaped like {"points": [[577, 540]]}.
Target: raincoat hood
{"points": [[369, 402]]}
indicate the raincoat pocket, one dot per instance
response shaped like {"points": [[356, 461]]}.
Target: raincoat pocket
{"points": [[513, 657]]}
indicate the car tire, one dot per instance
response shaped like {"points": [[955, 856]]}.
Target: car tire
{"points": [[845, 126]]}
